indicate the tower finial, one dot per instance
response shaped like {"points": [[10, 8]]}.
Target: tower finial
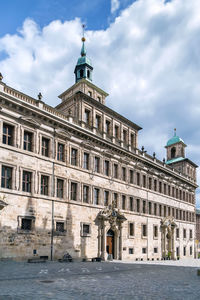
{"points": [[83, 51], [174, 131]]}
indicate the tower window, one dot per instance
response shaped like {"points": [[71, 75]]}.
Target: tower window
{"points": [[81, 73], [173, 152], [88, 74]]}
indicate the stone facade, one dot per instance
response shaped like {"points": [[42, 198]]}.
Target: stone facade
{"points": [[73, 180]]}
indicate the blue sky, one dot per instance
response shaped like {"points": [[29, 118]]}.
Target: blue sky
{"points": [[145, 54]]}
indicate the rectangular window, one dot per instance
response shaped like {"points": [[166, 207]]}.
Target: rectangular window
{"points": [[172, 191], [155, 250], [155, 185], [106, 198], [155, 231], [115, 170], [150, 208], [86, 161], [123, 202], [125, 136], [144, 230], [155, 209], [60, 152], [131, 176], [184, 251], [98, 122], [96, 196], [115, 199], [44, 185], [150, 183], [169, 190], [86, 194], [60, 226], [132, 140], [87, 117], [131, 251], [138, 205], [131, 203], [169, 211], [190, 250], [131, 229], [144, 207], [144, 250], [6, 177], [85, 229], [117, 132], [107, 127], [26, 181], [26, 224], [177, 233], [60, 185], [28, 140], [160, 210], [144, 181], [74, 157], [160, 187], [184, 233], [97, 164], [165, 211], [165, 188], [191, 235], [8, 134], [106, 167], [74, 188], [123, 174], [138, 179], [45, 147]]}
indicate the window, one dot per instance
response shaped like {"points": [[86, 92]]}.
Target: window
{"points": [[117, 132], [144, 181], [172, 191], [60, 184], [123, 174], [144, 250], [60, 227], [107, 127], [28, 140], [160, 187], [115, 199], [150, 208], [60, 152], [45, 147], [138, 178], [173, 152], [144, 230], [165, 211], [144, 207], [165, 188], [81, 73], [184, 233], [191, 235], [132, 140], [26, 224], [6, 177], [87, 117], [26, 181], [86, 161], [99, 99], [131, 176], [73, 191], [155, 185], [8, 134], [190, 250], [155, 250], [160, 210], [150, 183], [96, 196], [138, 205], [106, 167], [115, 171], [97, 164], [90, 93], [85, 229], [98, 122], [123, 202], [131, 203], [155, 209], [155, 231], [177, 252], [169, 190], [177, 233], [106, 198], [125, 136], [131, 229], [169, 211], [131, 251], [74, 157], [86, 194], [184, 251], [44, 185], [88, 73]]}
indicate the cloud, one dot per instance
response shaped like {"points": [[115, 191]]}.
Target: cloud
{"points": [[114, 6], [147, 59]]}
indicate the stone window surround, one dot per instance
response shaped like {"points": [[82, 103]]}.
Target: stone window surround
{"points": [[131, 236], [33, 179], [19, 224], [131, 250], [81, 231], [89, 160], [71, 146], [59, 141], [109, 195], [155, 237], [50, 144], [99, 195], [77, 191], [14, 175], [89, 193], [144, 236], [56, 187], [34, 138], [65, 226], [15, 132]]}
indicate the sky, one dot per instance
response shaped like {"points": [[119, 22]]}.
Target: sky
{"points": [[145, 54]]}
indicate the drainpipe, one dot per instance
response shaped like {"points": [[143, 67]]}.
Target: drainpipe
{"points": [[52, 194]]}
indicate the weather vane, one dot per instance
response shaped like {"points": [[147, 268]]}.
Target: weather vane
{"points": [[83, 38]]}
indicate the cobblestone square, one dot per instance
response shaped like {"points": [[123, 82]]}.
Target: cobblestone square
{"points": [[106, 280]]}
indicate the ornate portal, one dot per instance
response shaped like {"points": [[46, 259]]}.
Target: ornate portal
{"points": [[167, 237]]}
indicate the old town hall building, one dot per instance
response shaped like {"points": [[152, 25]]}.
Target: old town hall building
{"points": [[73, 180]]}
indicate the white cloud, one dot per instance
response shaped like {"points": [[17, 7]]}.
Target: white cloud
{"points": [[114, 6], [147, 59]]}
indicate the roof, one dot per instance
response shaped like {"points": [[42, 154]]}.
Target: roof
{"points": [[197, 211], [175, 139], [84, 60], [174, 160]]}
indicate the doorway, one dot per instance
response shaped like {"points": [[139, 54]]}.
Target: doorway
{"points": [[110, 242]]}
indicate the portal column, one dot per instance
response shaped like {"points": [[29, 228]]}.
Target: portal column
{"points": [[103, 253], [120, 241], [99, 240], [173, 248]]}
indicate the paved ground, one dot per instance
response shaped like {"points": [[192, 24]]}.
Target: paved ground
{"points": [[53, 280]]}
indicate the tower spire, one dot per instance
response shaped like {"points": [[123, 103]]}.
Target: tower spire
{"points": [[83, 51]]}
